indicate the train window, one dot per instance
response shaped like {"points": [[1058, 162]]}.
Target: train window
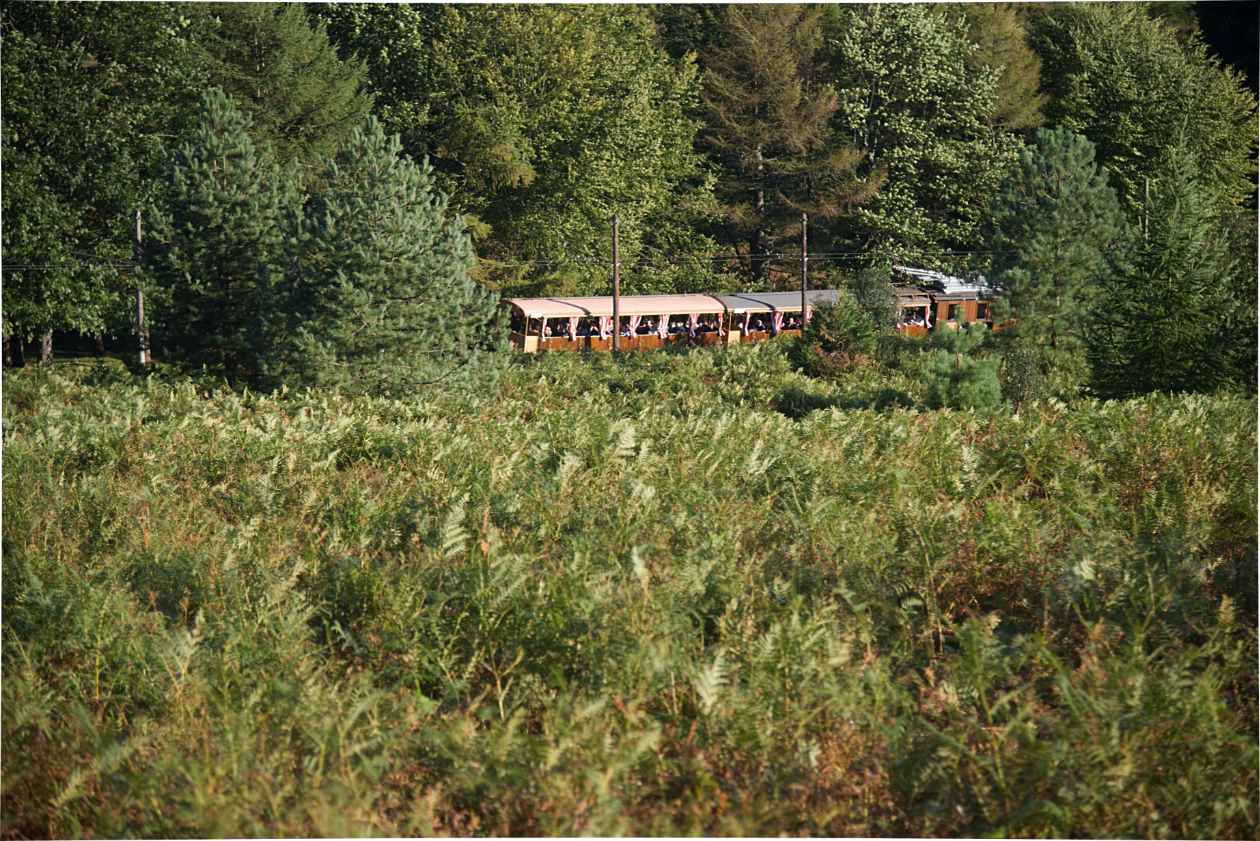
{"points": [[955, 310], [982, 312]]}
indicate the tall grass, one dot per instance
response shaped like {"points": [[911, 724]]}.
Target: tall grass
{"points": [[665, 594]]}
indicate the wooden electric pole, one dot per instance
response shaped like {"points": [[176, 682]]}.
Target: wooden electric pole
{"points": [[804, 269], [140, 331], [616, 284]]}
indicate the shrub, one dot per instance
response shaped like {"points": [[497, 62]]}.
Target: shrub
{"points": [[1021, 377], [839, 338], [957, 380], [873, 292]]}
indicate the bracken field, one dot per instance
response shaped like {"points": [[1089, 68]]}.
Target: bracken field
{"points": [[668, 594]]}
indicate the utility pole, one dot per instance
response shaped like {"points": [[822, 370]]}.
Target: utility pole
{"points": [[1146, 205], [616, 283], [804, 269], [140, 331]]}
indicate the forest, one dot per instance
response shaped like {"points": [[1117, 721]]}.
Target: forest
{"points": [[1095, 162], [335, 560]]}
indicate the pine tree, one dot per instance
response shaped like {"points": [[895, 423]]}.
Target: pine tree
{"points": [[212, 239], [768, 112], [1160, 328], [958, 380], [377, 297], [1050, 236], [303, 98]]}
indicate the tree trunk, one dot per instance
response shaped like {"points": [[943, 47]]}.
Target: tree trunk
{"points": [[45, 351], [755, 245], [13, 351], [98, 344]]}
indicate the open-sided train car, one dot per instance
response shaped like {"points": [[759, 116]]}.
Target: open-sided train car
{"points": [[652, 321], [647, 322]]}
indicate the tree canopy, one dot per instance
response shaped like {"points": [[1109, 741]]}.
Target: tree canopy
{"points": [[1126, 82], [912, 100], [92, 91], [769, 110], [1055, 226], [214, 240], [376, 291], [303, 98], [1165, 323]]}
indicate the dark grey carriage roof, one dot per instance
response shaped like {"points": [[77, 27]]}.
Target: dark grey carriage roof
{"points": [[776, 301]]}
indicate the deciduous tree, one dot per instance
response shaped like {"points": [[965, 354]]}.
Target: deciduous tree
{"points": [[541, 122], [911, 99], [91, 92], [1124, 80]]}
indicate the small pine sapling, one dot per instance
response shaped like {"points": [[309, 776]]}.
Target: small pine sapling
{"points": [[958, 380]]}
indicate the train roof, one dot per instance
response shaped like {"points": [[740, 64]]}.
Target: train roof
{"points": [[671, 304], [776, 301], [629, 305], [948, 287]]}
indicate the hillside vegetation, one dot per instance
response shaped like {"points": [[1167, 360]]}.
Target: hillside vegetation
{"points": [[666, 594]]}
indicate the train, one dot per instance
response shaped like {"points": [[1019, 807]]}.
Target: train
{"points": [[928, 301]]}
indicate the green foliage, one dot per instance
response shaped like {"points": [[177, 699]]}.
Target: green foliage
{"points": [[1165, 324], [923, 115], [1021, 375], [872, 290], [959, 380], [768, 111], [1240, 261], [1126, 82], [91, 90], [280, 68], [618, 593], [1002, 44], [1052, 237], [213, 241], [542, 123], [377, 295], [839, 337]]}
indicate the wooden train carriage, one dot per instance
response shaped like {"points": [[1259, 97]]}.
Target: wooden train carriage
{"points": [[953, 299], [585, 323], [914, 309], [936, 300]]}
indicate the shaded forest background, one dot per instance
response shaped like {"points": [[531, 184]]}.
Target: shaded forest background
{"points": [[708, 130]]}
